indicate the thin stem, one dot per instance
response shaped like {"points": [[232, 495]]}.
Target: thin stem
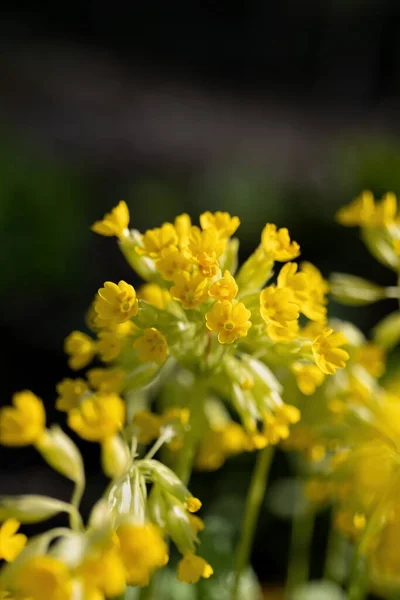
{"points": [[300, 550], [75, 518], [254, 500]]}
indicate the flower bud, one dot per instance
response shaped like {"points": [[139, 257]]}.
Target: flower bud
{"points": [[60, 452], [115, 456], [143, 265], [387, 332], [31, 508], [380, 244], [355, 291]]}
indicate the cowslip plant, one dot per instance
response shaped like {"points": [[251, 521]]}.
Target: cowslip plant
{"points": [[194, 366]]}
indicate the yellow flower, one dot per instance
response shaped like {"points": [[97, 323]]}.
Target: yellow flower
{"points": [[364, 212], [143, 550], [149, 426], [157, 239], [109, 345], [106, 380], [225, 288], [70, 392], [220, 443], [171, 261], [103, 570], [276, 426], [11, 542], [114, 223], [44, 577], [308, 377], [193, 504], [80, 348], [152, 346], [278, 307], [183, 225], [116, 303], [221, 221], [308, 287], [230, 320], [196, 523], [327, 353], [358, 212], [154, 294], [385, 211], [372, 357], [98, 417], [191, 568], [277, 243], [24, 423], [189, 289], [283, 334], [205, 248]]}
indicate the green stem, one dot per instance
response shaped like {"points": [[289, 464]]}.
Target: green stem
{"points": [[336, 556], [300, 550], [75, 518], [254, 500]]}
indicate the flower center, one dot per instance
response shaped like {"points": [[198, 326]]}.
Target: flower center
{"points": [[229, 325]]}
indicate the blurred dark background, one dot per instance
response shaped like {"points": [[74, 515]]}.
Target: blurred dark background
{"points": [[275, 111]]}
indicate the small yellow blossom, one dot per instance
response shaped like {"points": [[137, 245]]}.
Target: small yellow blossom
{"points": [[154, 294], [277, 306], [172, 261], [372, 357], [385, 211], [283, 334], [98, 417], [157, 239], [220, 443], [328, 354], [308, 377], [225, 288], [24, 423], [152, 346], [183, 225], [230, 320], [193, 504], [11, 542], [114, 223], [308, 287], [70, 391], [103, 570], [80, 348], [143, 550], [191, 568], [109, 345], [148, 424], [189, 289], [44, 577], [276, 426], [358, 212], [277, 243], [206, 247], [196, 523], [106, 380], [116, 303], [221, 221]]}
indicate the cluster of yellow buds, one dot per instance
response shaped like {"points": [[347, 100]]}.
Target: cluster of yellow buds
{"points": [[213, 345]]}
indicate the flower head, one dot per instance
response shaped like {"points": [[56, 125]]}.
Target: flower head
{"points": [[221, 221], [277, 244], [70, 392], [114, 223], [231, 320], [109, 345], [189, 289], [98, 417], [358, 212], [103, 570], [171, 261], [156, 240], [106, 380], [191, 568], [143, 550], [280, 311], [206, 247], [225, 288], [44, 577], [308, 377], [308, 287], [152, 346], [116, 303], [11, 542], [80, 348], [328, 354], [24, 423]]}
